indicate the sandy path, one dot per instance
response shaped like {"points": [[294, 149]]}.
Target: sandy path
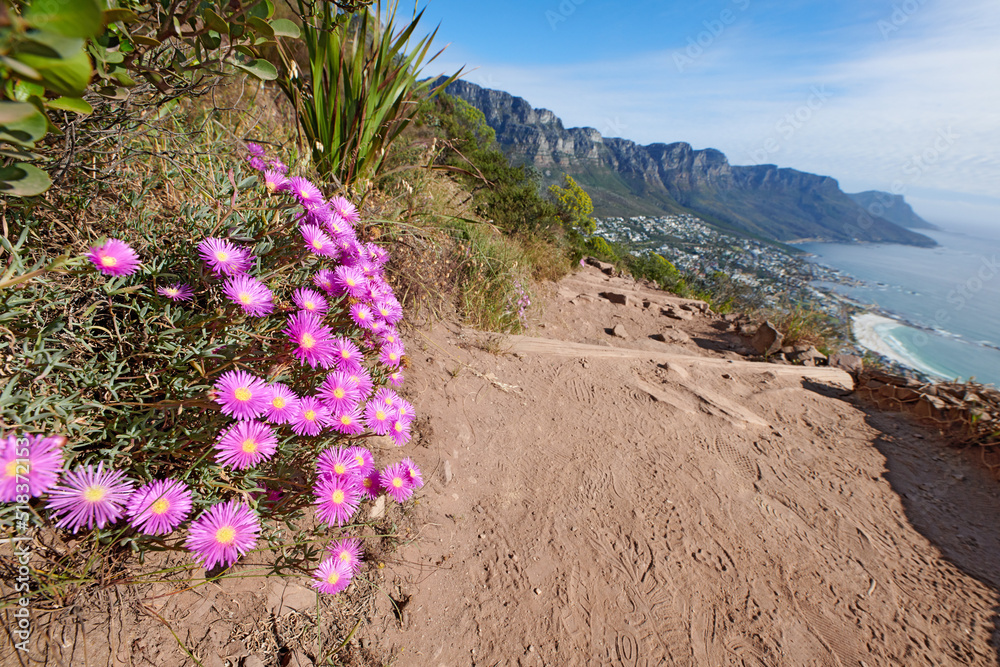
{"points": [[613, 509]]}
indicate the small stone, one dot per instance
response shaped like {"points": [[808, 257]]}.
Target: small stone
{"points": [[767, 340], [619, 331], [538, 591], [378, 509], [531, 649], [447, 473]]}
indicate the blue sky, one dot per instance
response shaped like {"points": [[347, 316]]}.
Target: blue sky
{"points": [[880, 94]]}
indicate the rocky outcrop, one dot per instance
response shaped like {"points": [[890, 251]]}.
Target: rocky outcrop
{"points": [[891, 207], [624, 178]]}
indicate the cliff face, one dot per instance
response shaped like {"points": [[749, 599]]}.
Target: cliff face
{"points": [[625, 178], [891, 207]]}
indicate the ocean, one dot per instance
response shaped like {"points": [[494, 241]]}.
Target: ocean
{"points": [[936, 310]]}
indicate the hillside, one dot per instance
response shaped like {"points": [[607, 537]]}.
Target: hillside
{"points": [[624, 178], [891, 207]]}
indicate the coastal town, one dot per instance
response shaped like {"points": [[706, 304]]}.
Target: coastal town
{"points": [[694, 247]]}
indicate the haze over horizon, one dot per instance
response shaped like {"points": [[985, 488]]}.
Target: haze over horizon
{"points": [[879, 94]]}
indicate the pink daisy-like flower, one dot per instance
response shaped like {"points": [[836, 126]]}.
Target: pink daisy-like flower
{"points": [[348, 355], [307, 193], [324, 280], [392, 354], [362, 315], [364, 459], [377, 254], [241, 395], [413, 472], [387, 334], [338, 227], [223, 533], [176, 292], [391, 398], [363, 381], [349, 421], [257, 164], [88, 497], [349, 280], [275, 181], [310, 300], [339, 392], [337, 499], [279, 166], [311, 417], [395, 479], [332, 576], [223, 257], [371, 485], [396, 378], [114, 258], [399, 430], [281, 404], [337, 462], [318, 242], [311, 339], [345, 209], [245, 444], [36, 463], [389, 310], [249, 294], [405, 409], [348, 551], [379, 416], [159, 507], [255, 150], [370, 271]]}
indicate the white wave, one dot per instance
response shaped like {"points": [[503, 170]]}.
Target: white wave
{"points": [[874, 332]]}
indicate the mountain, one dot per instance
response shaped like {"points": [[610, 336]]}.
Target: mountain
{"points": [[891, 207], [625, 178]]}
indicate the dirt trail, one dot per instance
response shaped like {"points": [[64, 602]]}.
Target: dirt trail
{"points": [[593, 500]]}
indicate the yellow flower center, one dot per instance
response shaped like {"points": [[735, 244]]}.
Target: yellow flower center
{"points": [[349, 281], [367, 481], [390, 339], [94, 494], [310, 415], [243, 394], [225, 535], [160, 506], [318, 244], [249, 446], [360, 459], [339, 392], [344, 556], [379, 415], [346, 420], [338, 497], [333, 577], [362, 315], [339, 468], [307, 340], [393, 356], [397, 482], [10, 470], [309, 305], [278, 402], [222, 255], [172, 291], [398, 427], [108, 260], [245, 297]]}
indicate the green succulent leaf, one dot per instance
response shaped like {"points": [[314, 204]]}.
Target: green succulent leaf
{"points": [[23, 180], [120, 16], [261, 69], [27, 129], [15, 112], [260, 26], [62, 65], [215, 22]]}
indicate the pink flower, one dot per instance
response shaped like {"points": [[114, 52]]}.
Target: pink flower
{"points": [[346, 210], [347, 551], [311, 417], [307, 193], [349, 421], [275, 181], [337, 462], [395, 479], [176, 292], [413, 472], [114, 258], [324, 280], [339, 392], [364, 459], [282, 403], [224, 258], [362, 315], [349, 280], [242, 395], [88, 497], [337, 499], [311, 339], [245, 444], [392, 354], [159, 507], [310, 300], [249, 294], [371, 485], [223, 533], [332, 576], [33, 460], [347, 355], [379, 416], [318, 242]]}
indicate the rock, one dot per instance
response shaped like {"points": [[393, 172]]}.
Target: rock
{"points": [[378, 508], [619, 331], [848, 362], [447, 474], [731, 317], [748, 330], [677, 314], [907, 395], [615, 297], [607, 269], [767, 340], [672, 336], [284, 595], [810, 356]]}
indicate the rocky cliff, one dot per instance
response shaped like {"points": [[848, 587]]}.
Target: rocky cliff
{"points": [[891, 207], [625, 178]]}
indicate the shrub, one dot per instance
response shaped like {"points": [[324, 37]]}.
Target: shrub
{"points": [[156, 370]]}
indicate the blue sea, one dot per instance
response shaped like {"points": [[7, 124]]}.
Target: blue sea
{"points": [[933, 309]]}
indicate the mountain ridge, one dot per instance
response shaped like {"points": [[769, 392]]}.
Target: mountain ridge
{"points": [[624, 178]]}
